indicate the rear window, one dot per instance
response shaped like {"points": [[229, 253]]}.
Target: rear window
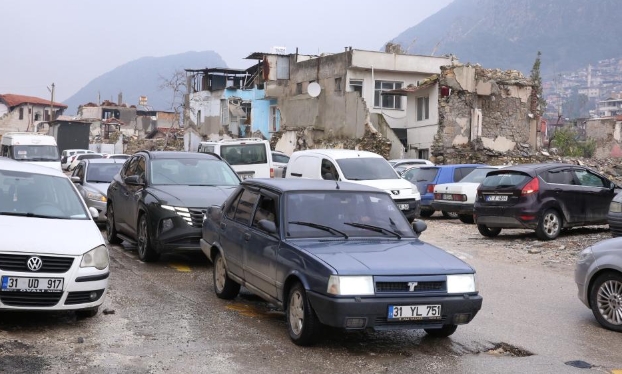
{"points": [[244, 154], [421, 175], [506, 179]]}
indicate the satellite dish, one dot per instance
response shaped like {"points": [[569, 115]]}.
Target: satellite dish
{"points": [[314, 89]]}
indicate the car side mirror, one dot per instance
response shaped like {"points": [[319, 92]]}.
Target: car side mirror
{"points": [[76, 180], [267, 226], [419, 226], [94, 212], [133, 180]]}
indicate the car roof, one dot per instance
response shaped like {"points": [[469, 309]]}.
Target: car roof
{"points": [[529, 168], [404, 160], [178, 154], [12, 165], [303, 184], [450, 166], [339, 153], [104, 161]]}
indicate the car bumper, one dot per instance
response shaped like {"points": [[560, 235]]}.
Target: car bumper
{"points": [[414, 207], [460, 208], [615, 223], [181, 237], [336, 312]]}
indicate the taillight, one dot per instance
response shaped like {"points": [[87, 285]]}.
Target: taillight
{"points": [[271, 172], [430, 188], [531, 187]]}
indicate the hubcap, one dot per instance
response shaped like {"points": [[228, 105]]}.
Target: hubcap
{"points": [[296, 312], [551, 224], [220, 273], [609, 301], [142, 236]]}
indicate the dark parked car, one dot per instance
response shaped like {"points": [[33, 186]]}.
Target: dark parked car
{"points": [[158, 200], [337, 254], [426, 177], [614, 217], [542, 197]]}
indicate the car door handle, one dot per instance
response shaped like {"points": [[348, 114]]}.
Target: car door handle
{"points": [[223, 225], [247, 236]]}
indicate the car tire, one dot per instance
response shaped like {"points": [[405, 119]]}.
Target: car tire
{"points": [[425, 213], [452, 215], [606, 300], [146, 252], [111, 229], [490, 232], [549, 226], [224, 287], [302, 323], [87, 313], [466, 218], [443, 332]]}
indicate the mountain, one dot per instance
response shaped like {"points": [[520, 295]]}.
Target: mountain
{"points": [[142, 78], [508, 34]]}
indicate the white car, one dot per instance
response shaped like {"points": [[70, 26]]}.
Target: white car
{"points": [[401, 164], [52, 255], [82, 156], [279, 162], [460, 197], [68, 156]]}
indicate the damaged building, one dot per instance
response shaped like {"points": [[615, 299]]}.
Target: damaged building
{"points": [[27, 113]]}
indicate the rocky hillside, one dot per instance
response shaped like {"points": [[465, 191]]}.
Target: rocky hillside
{"points": [[507, 34]]}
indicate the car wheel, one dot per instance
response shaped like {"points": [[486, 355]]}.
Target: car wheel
{"points": [[606, 300], [224, 287], [490, 232], [146, 253], [453, 215], [550, 225], [87, 313], [443, 332], [302, 323], [426, 213], [466, 218], [111, 230]]}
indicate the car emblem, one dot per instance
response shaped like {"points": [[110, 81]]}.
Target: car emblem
{"points": [[412, 285], [34, 263], [395, 192]]}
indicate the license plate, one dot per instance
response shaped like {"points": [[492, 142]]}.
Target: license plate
{"points": [[413, 312], [403, 206], [448, 196], [32, 284], [246, 176], [496, 197]]}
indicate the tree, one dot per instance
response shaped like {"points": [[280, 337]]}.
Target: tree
{"points": [[177, 85], [538, 101]]}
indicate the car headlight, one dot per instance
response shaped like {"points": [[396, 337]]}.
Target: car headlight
{"points": [[615, 207], [584, 256], [95, 196], [461, 283], [180, 211], [350, 285], [96, 258]]}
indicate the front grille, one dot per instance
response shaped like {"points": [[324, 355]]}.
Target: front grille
{"points": [[404, 287], [196, 214], [82, 297], [31, 299], [51, 264]]}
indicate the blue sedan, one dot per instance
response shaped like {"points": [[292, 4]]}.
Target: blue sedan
{"points": [[337, 254]]}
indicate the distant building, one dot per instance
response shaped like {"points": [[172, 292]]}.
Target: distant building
{"points": [[26, 113]]}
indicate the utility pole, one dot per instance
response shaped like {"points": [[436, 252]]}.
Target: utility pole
{"points": [[51, 104]]}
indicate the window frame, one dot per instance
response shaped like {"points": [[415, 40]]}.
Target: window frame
{"points": [[423, 108], [251, 211], [379, 97], [275, 199]]}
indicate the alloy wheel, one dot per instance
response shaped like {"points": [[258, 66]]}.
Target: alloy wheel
{"points": [[551, 224], [296, 312], [609, 301]]}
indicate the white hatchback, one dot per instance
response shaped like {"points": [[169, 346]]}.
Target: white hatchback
{"points": [[52, 255]]}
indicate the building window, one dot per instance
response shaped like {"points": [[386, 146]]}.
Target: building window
{"points": [[424, 154], [198, 118], [21, 113], [356, 85], [338, 84], [387, 101], [298, 88], [423, 108], [275, 118]]}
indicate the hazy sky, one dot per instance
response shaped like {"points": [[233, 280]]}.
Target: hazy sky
{"points": [[70, 42]]}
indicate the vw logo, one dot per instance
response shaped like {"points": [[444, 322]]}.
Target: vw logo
{"points": [[395, 192], [34, 263]]}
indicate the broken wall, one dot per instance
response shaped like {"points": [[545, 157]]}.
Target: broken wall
{"points": [[606, 132]]}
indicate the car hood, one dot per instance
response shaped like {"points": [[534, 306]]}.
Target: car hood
{"points": [[457, 188], [192, 196], [404, 187], [384, 257], [99, 187], [72, 237]]}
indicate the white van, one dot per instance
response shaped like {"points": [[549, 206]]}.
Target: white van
{"points": [[361, 167], [249, 157], [31, 147]]}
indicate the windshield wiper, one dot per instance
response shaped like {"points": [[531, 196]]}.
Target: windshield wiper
{"points": [[320, 227], [22, 214], [96, 181], [373, 228]]}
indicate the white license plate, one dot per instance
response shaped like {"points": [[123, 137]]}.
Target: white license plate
{"points": [[32, 284], [246, 176], [403, 206], [413, 312], [496, 197], [448, 196]]}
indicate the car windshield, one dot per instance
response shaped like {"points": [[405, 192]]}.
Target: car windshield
{"points": [[344, 214], [102, 173], [88, 156], [415, 175], [366, 168], [244, 154], [38, 195], [192, 171], [505, 179], [477, 175], [35, 153]]}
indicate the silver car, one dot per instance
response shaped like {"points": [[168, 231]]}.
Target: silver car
{"points": [[279, 163], [598, 275], [92, 177]]}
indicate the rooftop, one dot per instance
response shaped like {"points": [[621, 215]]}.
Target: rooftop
{"points": [[13, 100]]}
